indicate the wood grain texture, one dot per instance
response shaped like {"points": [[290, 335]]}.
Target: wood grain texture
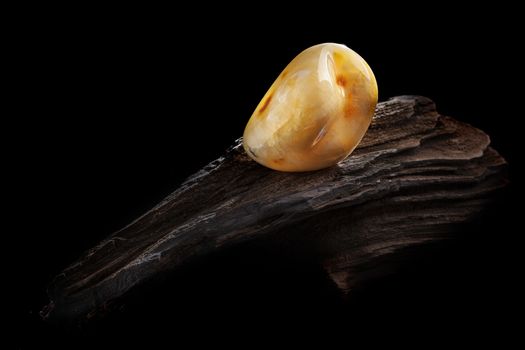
{"points": [[415, 176]]}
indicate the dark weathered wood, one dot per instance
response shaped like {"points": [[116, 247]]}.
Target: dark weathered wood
{"points": [[414, 176]]}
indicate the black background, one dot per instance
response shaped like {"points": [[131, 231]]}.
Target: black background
{"points": [[117, 107]]}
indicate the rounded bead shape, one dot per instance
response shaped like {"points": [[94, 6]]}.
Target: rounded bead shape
{"points": [[315, 113]]}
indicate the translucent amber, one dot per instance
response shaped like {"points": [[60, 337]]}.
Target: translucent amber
{"points": [[316, 111]]}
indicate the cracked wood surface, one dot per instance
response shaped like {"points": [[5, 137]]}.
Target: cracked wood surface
{"points": [[413, 178]]}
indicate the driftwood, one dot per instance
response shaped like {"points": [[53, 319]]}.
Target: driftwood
{"points": [[413, 178]]}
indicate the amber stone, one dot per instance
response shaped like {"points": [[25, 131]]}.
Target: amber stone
{"points": [[315, 113]]}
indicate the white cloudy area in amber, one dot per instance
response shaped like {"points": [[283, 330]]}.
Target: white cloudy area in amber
{"points": [[315, 113]]}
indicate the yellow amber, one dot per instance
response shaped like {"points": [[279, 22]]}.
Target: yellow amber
{"points": [[316, 111]]}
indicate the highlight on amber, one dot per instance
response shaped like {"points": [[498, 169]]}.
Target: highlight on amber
{"points": [[315, 113]]}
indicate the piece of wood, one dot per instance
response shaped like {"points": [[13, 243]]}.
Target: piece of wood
{"points": [[413, 178]]}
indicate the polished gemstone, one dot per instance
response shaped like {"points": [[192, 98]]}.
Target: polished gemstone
{"points": [[315, 113]]}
